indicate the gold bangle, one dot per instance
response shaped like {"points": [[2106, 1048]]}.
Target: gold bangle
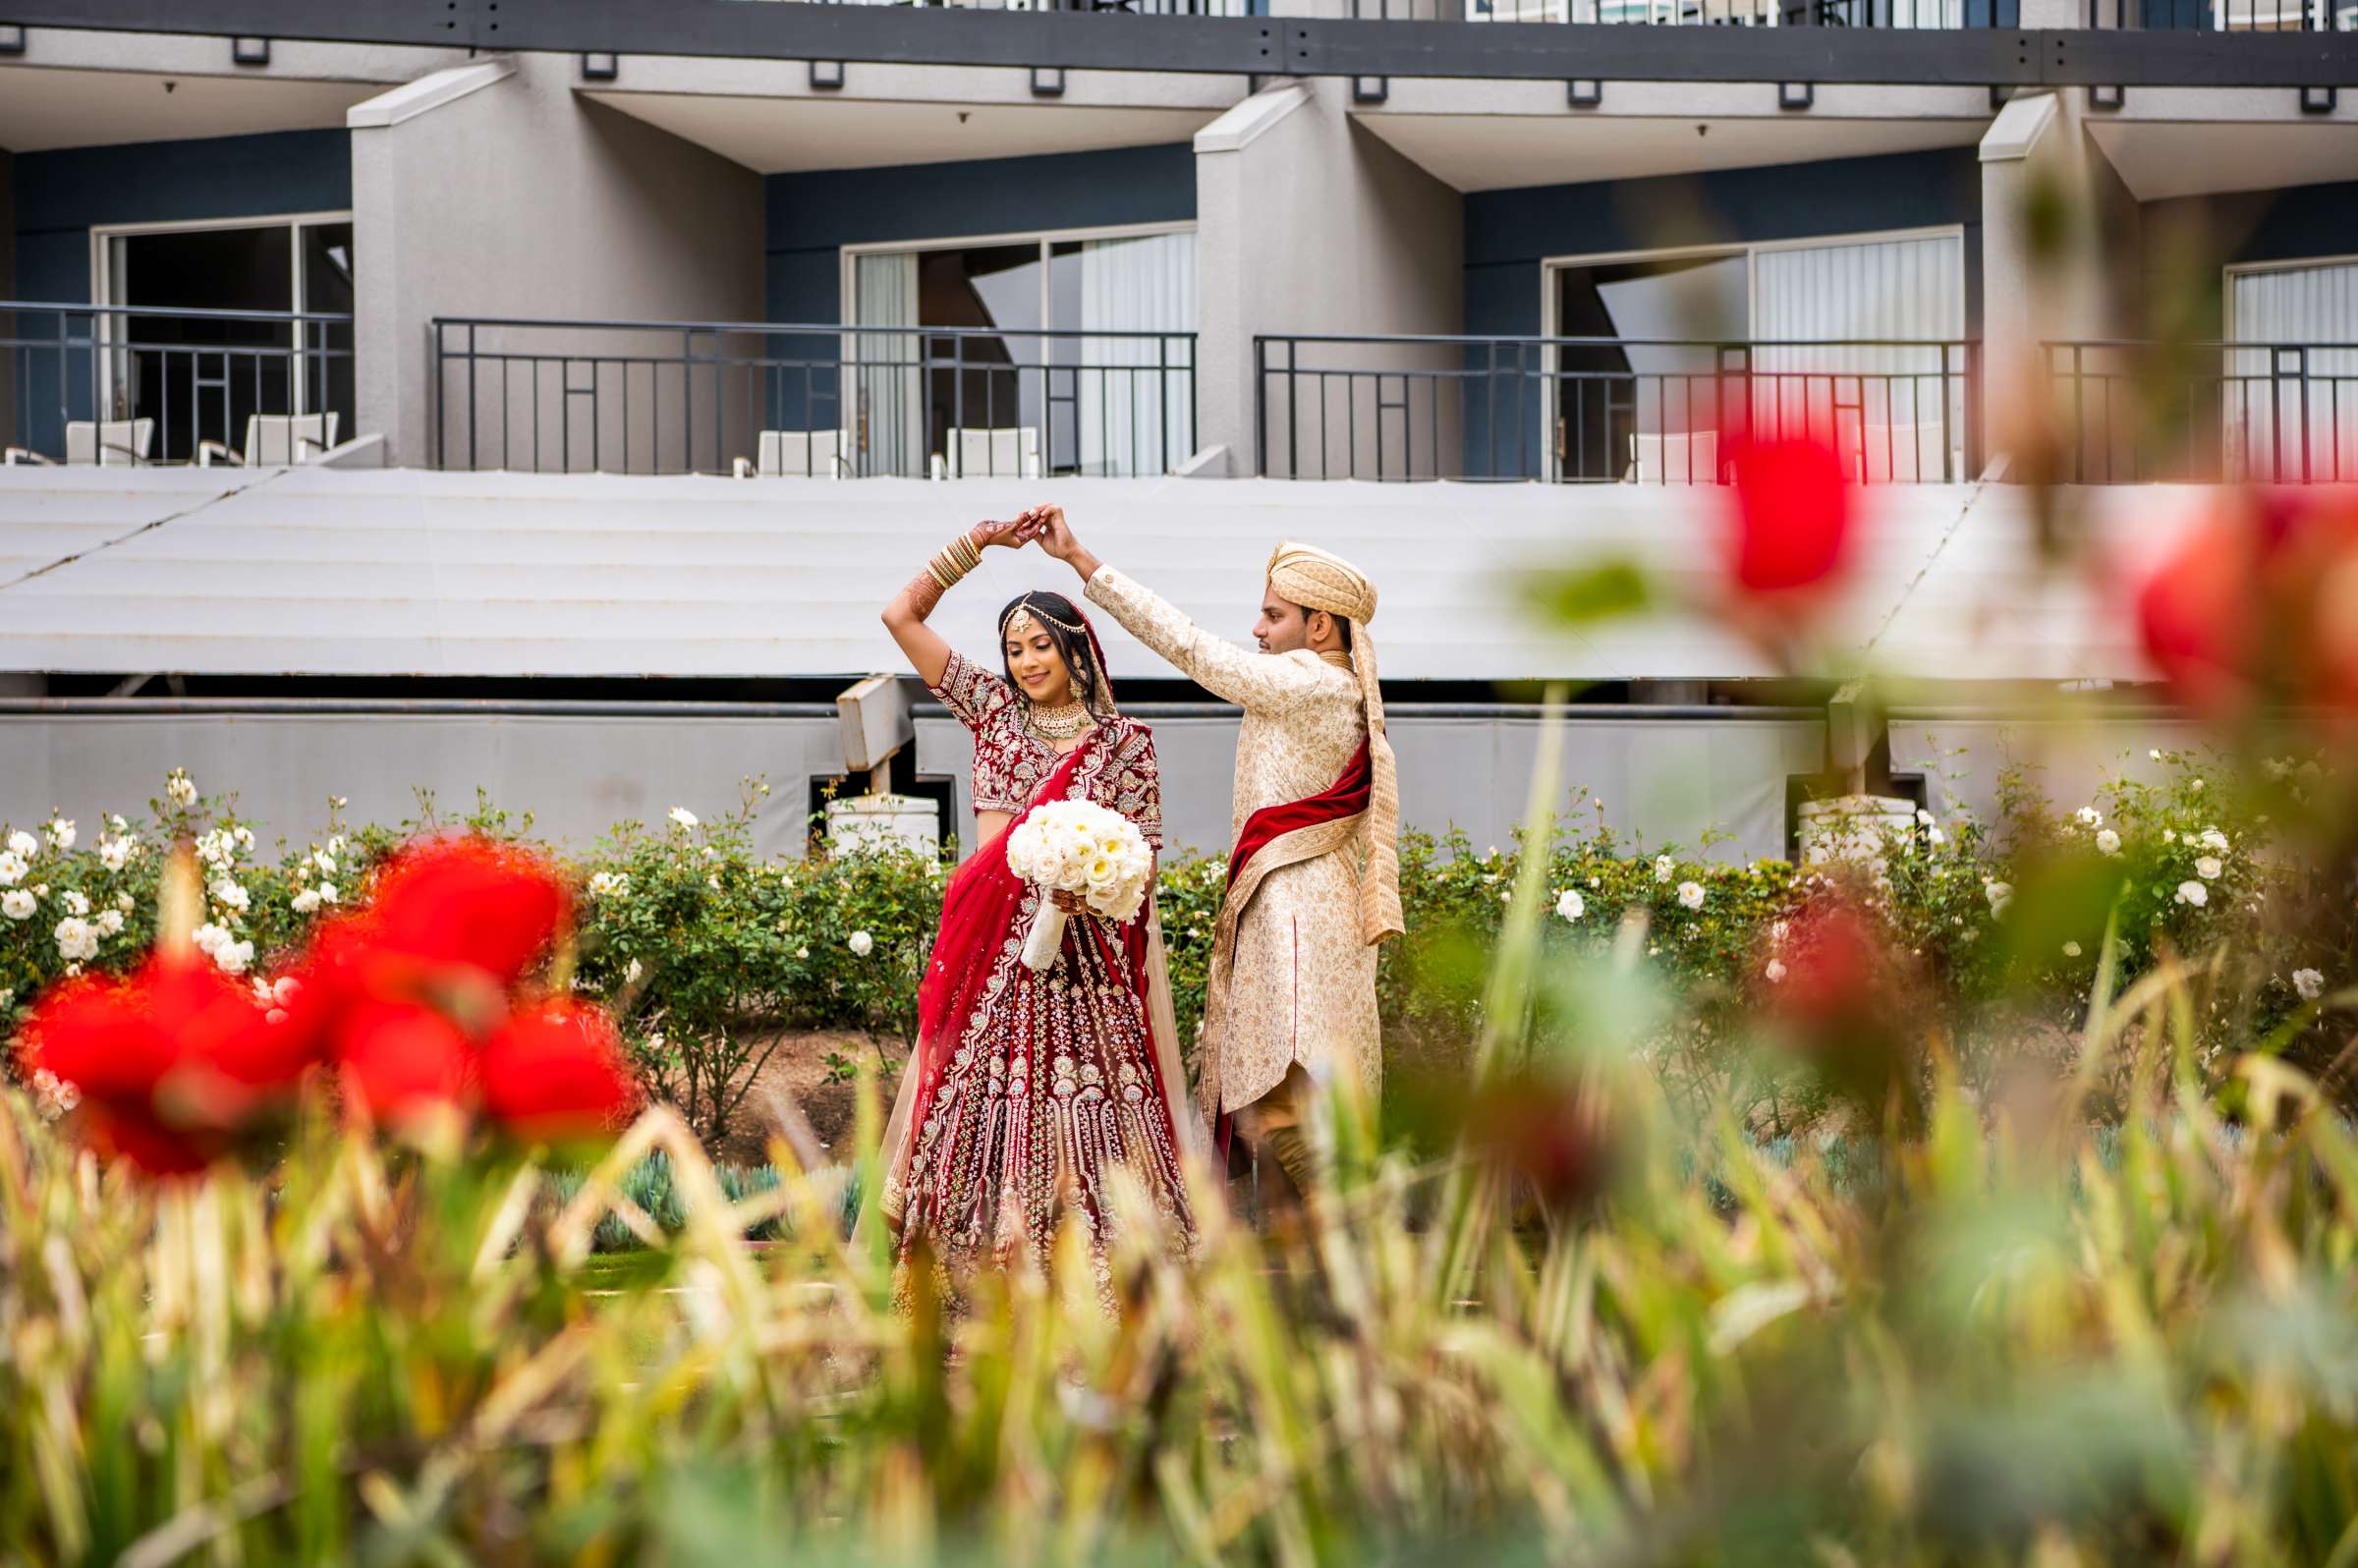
{"points": [[968, 551], [933, 570]]}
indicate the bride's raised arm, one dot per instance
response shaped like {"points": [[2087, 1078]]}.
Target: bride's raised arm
{"points": [[905, 617]]}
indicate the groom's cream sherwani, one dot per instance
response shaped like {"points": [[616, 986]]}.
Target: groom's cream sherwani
{"points": [[1302, 981]]}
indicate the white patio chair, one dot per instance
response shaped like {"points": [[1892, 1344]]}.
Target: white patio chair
{"points": [[108, 443], [1008, 452], [275, 440], [800, 454], [1688, 458]]}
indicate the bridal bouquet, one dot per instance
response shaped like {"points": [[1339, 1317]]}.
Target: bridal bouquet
{"points": [[1082, 848]]}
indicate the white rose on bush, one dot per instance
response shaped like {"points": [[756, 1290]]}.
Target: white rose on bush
{"points": [[22, 845], [2214, 840], [2107, 842], [231, 895], [1690, 894], [2089, 817], [2208, 868], [2001, 895], [77, 939], [110, 921], [1664, 867], [76, 903], [18, 905], [683, 819], [12, 869], [1570, 905], [2194, 893], [180, 788], [115, 852], [305, 901], [217, 944], [61, 832], [1776, 972], [609, 885], [2310, 982], [861, 944]]}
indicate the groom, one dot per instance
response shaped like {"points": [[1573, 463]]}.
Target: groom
{"points": [[1314, 876]]}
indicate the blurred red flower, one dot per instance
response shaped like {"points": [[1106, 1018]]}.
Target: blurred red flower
{"points": [[557, 1072], [401, 1058], [2259, 602], [1790, 518], [468, 901], [1549, 1130], [1837, 989], [172, 1064]]}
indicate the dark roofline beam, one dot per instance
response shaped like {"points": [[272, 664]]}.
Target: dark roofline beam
{"points": [[1254, 45]]}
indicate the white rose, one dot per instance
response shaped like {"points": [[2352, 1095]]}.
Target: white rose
{"points": [[1776, 972], [209, 937], [1664, 868], [61, 832], [16, 903], [335, 845], [233, 957], [1999, 894], [2072, 949], [861, 944], [180, 788], [77, 939], [2089, 817], [1569, 905], [24, 845], [115, 853], [328, 892], [2208, 868], [1690, 894], [325, 862], [1934, 837], [2194, 893], [305, 901], [126, 903], [683, 819], [802, 952], [630, 976], [1924, 817], [243, 835], [609, 885], [12, 867], [2214, 841], [110, 921], [76, 904], [2107, 842], [229, 895], [2309, 982]]}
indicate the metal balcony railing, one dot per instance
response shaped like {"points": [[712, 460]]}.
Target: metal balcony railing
{"points": [[1140, 7], [1879, 14], [1645, 410], [2204, 413], [130, 385], [821, 400], [2225, 15]]}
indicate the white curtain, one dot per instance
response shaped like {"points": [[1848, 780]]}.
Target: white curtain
{"points": [[1135, 402], [2289, 406], [1890, 409], [887, 433]]}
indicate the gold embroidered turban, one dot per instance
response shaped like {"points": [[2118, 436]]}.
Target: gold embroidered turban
{"points": [[1315, 579]]}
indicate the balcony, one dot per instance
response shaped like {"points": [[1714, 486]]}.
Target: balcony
{"points": [[2207, 412], [1595, 410], [131, 385], [818, 401]]}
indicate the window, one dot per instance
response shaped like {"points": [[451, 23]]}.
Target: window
{"points": [[2289, 404], [1057, 353], [202, 377], [1853, 340]]}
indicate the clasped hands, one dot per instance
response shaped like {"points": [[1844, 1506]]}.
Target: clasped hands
{"points": [[1041, 525]]}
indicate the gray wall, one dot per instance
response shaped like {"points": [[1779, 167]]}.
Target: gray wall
{"points": [[1315, 225], [579, 771], [8, 291], [521, 199], [1964, 758]]}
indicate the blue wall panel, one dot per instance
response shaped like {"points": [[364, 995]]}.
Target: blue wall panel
{"points": [[809, 217], [1509, 233], [61, 195]]}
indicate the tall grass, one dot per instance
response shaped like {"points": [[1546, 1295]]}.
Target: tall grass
{"points": [[1998, 1338]]}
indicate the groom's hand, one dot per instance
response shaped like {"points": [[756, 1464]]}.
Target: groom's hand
{"points": [[1048, 524]]}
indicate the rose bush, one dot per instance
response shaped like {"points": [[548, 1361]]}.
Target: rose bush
{"points": [[708, 954]]}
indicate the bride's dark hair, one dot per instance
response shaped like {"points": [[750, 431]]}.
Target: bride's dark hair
{"points": [[1066, 629]]}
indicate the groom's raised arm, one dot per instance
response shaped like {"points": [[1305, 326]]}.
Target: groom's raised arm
{"points": [[1228, 671]]}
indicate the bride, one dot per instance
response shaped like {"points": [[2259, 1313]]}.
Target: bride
{"points": [[1029, 1089]]}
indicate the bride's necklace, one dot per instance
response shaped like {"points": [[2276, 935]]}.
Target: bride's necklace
{"points": [[1057, 725]]}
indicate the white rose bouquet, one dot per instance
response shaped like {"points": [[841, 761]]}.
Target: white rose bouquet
{"points": [[1080, 848]]}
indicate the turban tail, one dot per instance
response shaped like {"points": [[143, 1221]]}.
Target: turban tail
{"points": [[1318, 580]]}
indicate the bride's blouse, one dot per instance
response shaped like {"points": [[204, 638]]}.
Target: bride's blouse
{"points": [[1011, 761]]}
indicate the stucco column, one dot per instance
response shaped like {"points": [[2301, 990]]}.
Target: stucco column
{"points": [[1307, 223], [493, 190], [2060, 242]]}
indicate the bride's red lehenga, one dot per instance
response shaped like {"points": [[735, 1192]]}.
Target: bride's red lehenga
{"points": [[1029, 1089]]}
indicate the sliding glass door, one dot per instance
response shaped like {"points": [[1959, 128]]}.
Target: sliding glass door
{"points": [[2289, 401]]}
